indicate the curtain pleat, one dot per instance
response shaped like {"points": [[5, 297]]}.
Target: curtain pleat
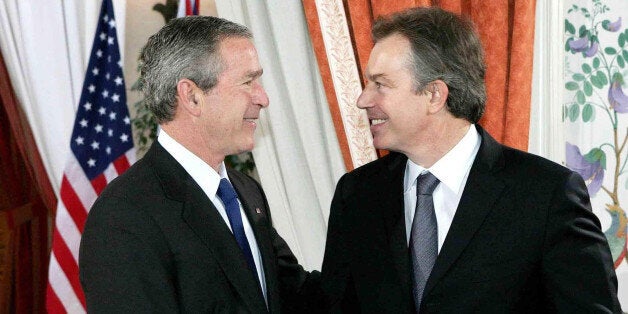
{"points": [[26, 201]]}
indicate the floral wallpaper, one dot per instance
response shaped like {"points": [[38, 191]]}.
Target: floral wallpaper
{"points": [[595, 120]]}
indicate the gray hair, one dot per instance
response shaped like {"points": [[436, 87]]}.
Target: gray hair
{"points": [[446, 47], [186, 47]]}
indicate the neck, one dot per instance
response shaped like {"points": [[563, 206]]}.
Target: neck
{"points": [[442, 138], [192, 141]]}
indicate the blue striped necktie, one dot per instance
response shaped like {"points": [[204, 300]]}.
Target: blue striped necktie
{"points": [[230, 199]]}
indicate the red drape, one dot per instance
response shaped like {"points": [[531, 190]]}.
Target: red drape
{"points": [[26, 201], [506, 29]]}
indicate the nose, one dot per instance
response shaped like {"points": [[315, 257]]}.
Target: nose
{"points": [[364, 100], [260, 97]]}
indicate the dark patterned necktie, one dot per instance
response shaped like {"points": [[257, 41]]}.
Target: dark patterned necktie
{"points": [[423, 236]]}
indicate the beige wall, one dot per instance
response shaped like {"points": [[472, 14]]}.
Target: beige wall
{"points": [[141, 22]]}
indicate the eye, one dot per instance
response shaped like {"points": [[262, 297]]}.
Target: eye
{"points": [[378, 85], [249, 82]]}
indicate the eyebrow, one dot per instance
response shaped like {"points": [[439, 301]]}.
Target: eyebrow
{"points": [[373, 77]]}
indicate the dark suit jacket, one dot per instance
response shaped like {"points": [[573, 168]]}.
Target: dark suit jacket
{"points": [[523, 240], [154, 243]]}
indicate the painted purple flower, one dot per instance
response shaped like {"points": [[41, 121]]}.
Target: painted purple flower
{"points": [[592, 50], [580, 44], [589, 168], [616, 96], [614, 26]]}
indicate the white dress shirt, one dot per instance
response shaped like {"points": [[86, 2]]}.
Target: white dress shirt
{"points": [[452, 170], [208, 179]]}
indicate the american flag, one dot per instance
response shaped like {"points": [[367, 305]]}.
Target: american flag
{"points": [[102, 148], [187, 7]]}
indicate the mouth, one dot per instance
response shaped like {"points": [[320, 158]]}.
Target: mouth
{"points": [[378, 121], [251, 121]]}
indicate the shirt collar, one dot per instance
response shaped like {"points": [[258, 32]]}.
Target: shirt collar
{"points": [[453, 167], [203, 174]]}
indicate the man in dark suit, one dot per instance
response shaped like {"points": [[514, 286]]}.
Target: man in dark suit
{"points": [[452, 221], [178, 232]]}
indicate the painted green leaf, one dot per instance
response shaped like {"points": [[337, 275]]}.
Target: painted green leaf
{"points": [[572, 85], [625, 54], [588, 88], [596, 82], [586, 68], [587, 113], [620, 62], [621, 40], [610, 50], [569, 27], [602, 77], [578, 77], [582, 31], [596, 62], [580, 97], [574, 112], [595, 155]]}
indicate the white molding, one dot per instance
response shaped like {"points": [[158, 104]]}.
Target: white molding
{"points": [[547, 132], [346, 80]]}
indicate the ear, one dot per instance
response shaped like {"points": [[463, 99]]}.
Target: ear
{"points": [[438, 95], [189, 95]]}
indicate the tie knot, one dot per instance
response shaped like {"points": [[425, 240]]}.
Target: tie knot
{"points": [[226, 191], [426, 183]]}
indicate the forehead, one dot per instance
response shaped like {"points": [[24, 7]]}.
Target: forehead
{"points": [[389, 55], [238, 54]]}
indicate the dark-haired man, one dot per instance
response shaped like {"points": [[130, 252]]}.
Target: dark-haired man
{"points": [[452, 221]]}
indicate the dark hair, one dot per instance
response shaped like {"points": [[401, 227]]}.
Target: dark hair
{"points": [[446, 47], [186, 47]]}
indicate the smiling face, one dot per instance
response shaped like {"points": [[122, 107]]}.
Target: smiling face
{"points": [[231, 108], [399, 115]]}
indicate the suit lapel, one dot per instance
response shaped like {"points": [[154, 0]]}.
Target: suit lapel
{"points": [[203, 218], [391, 198], [255, 210], [481, 192]]}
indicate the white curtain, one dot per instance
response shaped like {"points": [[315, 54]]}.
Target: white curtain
{"points": [[45, 45], [297, 153]]}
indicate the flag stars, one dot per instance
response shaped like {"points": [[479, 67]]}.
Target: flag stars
{"points": [[79, 140], [95, 145], [98, 128], [87, 106], [107, 76], [127, 120], [95, 71], [112, 116], [105, 18], [109, 59], [112, 23], [108, 150], [115, 97], [118, 81], [91, 162], [103, 36], [124, 138], [110, 40], [99, 53], [83, 123], [105, 94], [91, 88], [120, 63], [102, 111], [110, 132]]}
